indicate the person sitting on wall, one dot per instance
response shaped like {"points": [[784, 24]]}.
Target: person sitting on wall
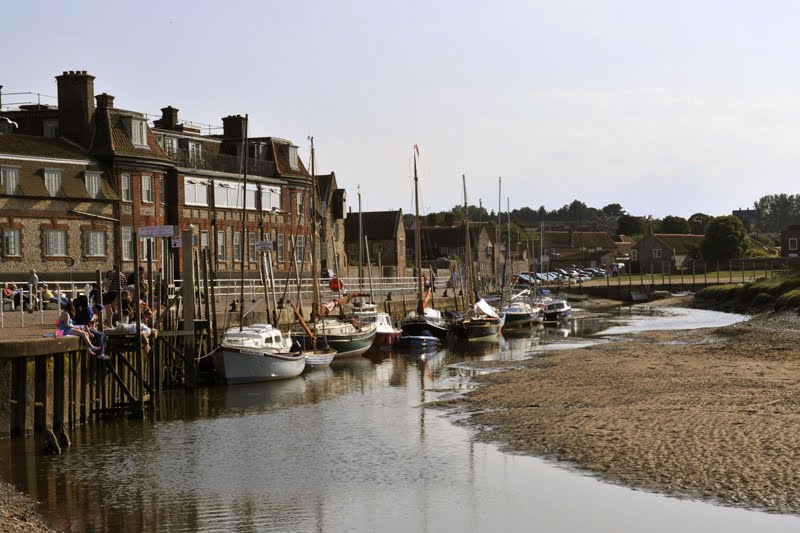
{"points": [[68, 327], [59, 298], [18, 295]]}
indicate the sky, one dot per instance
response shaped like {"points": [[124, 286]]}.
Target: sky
{"points": [[665, 107]]}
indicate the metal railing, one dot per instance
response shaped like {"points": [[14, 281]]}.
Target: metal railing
{"points": [[223, 163]]}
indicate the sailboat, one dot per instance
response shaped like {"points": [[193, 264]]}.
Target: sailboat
{"points": [[519, 313], [480, 321], [259, 352], [345, 338], [425, 322]]}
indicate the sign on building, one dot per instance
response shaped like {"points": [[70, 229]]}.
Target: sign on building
{"points": [[158, 231]]}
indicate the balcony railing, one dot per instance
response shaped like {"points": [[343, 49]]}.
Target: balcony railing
{"points": [[223, 163]]}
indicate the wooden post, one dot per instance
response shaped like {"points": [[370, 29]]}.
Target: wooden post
{"points": [[138, 390], [741, 268], [730, 270], [187, 291], [693, 273], [705, 272], [717, 271]]}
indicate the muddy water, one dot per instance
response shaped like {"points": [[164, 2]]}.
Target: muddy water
{"points": [[344, 449]]}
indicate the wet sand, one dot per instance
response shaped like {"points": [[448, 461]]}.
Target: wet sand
{"points": [[712, 414], [18, 512]]}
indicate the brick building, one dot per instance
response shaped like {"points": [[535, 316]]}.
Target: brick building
{"points": [[386, 236], [80, 179]]}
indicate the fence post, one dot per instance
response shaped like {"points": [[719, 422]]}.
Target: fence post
{"points": [[730, 270], [717, 271]]}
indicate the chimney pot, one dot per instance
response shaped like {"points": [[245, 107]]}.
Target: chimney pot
{"points": [[169, 118], [105, 100]]}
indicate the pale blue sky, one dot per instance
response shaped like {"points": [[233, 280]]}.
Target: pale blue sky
{"points": [[669, 107]]}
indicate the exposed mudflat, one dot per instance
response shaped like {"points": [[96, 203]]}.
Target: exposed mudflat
{"points": [[710, 413]]}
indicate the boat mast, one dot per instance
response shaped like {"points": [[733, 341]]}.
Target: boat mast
{"points": [[468, 254], [497, 280], [360, 244], [417, 242], [508, 243], [244, 223], [315, 281]]}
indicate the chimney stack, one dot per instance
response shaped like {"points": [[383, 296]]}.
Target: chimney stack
{"points": [[104, 100], [76, 105], [233, 127], [169, 118]]}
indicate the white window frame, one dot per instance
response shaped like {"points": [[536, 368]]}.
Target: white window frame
{"points": [[634, 254], [53, 181], [237, 246], [251, 246], [195, 152], [127, 243], [656, 253], [195, 191], [281, 248], [12, 243], [55, 243], [92, 183], [144, 247], [125, 188], [94, 242], [139, 133], [793, 244], [9, 178], [292, 156], [220, 246], [300, 204], [204, 242], [170, 145], [270, 198], [147, 189]]}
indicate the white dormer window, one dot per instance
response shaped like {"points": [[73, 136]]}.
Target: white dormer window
{"points": [[93, 184], [9, 179], [52, 180], [171, 146], [293, 157], [656, 253], [195, 153], [138, 129]]}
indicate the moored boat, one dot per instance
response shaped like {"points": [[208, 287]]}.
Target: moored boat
{"points": [[349, 339], [256, 353], [557, 310], [385, 334], [521, 314]]}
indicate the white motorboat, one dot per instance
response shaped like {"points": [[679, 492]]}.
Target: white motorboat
{"points": [[256, 353]]}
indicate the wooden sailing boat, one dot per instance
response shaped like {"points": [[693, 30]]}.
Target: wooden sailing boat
{"points": [[259, 352], [339, 338], [480, 321], [425, 322]]}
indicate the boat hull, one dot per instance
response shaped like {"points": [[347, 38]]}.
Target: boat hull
{"points": [[346, 345], [236, 365], [423, 328], [521, 320], [385, 339], [319, 358], [478, 329], [557, 316]]}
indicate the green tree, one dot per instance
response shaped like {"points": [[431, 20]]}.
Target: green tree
{"points": [[673, 224], [776, 211], [613, 210], [698, 223], [725, 238], [630, 225]]}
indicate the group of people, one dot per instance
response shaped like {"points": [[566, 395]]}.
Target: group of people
{"points": [[111, 307]]}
